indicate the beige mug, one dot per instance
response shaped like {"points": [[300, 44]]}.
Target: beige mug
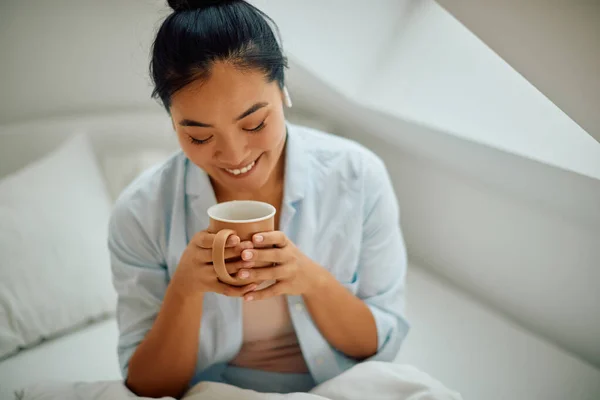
{"points": [[243, 218]]}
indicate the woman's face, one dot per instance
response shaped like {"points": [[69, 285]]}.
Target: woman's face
{"points": [[232, 126]]}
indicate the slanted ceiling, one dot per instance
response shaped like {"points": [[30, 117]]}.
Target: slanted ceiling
{"points": [[414, 60], [554, 44]]}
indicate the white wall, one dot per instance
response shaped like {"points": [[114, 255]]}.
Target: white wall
{"points": [[68, 56], [518, 234], [441, 75], [341, 41], [416, 61], [554, 44]]}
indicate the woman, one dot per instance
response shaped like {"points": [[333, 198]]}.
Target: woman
{"points": [[338, 254]]}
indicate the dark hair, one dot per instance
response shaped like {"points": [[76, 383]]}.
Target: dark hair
{"points": [[199, 33]]}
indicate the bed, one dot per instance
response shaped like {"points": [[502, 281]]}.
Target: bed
{"points": [[454, 337]]}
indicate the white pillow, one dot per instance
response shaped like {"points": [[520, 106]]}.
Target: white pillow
{"points": [[120, 169], [54, 262]]}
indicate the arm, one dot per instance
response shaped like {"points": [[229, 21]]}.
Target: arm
{"points": [[370, 324], [381, 270], [344, 320], [158, 342], [159, 325], [165, 361]]}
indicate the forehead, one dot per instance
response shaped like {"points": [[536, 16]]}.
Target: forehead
{"points": [[227, 91]]}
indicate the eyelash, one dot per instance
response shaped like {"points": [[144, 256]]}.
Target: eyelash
{"points": [[198, 141], [259, 128]]}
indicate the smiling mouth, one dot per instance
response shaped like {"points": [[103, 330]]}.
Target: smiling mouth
{"points": [[241, 171]]}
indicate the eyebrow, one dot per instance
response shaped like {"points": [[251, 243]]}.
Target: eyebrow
{"points": [[254, 108]]}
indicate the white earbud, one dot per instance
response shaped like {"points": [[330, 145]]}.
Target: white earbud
{"points": [[286, 97]]}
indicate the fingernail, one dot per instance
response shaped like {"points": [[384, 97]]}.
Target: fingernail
{"points": [[233, 240], [247, 255], [244, 274], [258, 238], [249, 298]]}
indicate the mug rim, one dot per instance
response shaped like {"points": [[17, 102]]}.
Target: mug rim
{"points": [[212, 208]]}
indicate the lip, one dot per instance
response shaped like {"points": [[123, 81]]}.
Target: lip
{"points": [[247, 174], [241, 165]]}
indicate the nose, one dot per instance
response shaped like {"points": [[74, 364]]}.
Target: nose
{"points": [[232, 150]]}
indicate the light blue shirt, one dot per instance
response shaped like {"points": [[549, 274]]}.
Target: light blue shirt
{"points": [[339, 208]]}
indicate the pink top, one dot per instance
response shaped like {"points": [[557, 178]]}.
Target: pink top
{"points": [[270, 342]]}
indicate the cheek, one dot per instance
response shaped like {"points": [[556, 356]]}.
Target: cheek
{"points": [[261, 142], [268, 139]]}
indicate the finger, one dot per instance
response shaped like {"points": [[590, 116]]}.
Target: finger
{"points": [[232, 241], [235, 266], [266, 273], [269, 239], [271, 255], [205, 255], [205, 240], [234, 291], [277, 289], [236, 251]]}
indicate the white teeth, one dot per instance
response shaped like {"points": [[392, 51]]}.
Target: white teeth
{"points": [[241, 171]]}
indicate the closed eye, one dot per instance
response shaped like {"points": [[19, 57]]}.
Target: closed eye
{"points": [[198, 141], [258, 128]]}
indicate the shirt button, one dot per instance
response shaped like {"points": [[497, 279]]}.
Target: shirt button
{"points": [[319, 360], [299, 307]]}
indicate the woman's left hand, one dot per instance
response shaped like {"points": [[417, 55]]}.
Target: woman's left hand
{"points": [[294, 272]]}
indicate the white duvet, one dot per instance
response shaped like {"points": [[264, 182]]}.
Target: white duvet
{"points": [[370, 380]]}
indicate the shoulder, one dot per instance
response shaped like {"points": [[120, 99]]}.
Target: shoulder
{"points": [[144, 203], [340, 156]]}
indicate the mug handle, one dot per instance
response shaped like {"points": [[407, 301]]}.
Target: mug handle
{"points": [[218, 255]]}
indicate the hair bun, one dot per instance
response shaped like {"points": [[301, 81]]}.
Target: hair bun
{"points": [[187, 5]]}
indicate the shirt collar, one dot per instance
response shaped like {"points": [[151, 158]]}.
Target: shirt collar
{"points": [[296, 166], [197, 182]]}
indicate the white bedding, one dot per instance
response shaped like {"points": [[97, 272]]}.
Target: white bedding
{"points": [[467, 347], [89, 354], [383, 381]]}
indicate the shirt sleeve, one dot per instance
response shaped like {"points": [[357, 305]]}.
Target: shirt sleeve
{"points": [[382, 263], [139, 276]]}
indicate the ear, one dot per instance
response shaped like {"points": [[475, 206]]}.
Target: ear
{"points": [[287, 100]]}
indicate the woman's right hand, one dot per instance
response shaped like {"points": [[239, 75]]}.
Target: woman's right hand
{"points": [[195, 273]]}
